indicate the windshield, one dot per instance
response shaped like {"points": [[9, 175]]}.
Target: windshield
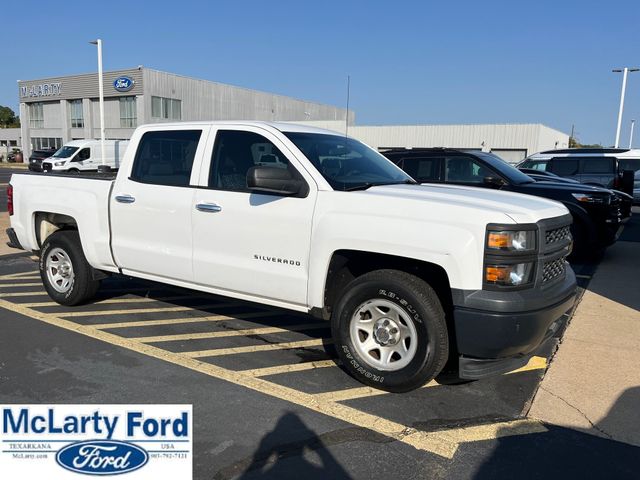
{"points": [[65, 152], [505, 169], [346, 163]]}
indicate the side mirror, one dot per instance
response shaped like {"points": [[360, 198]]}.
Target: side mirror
{"points": [[273, 180], [493, 182]]}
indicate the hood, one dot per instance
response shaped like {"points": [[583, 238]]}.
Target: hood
{"points": [[568, 187], [520, 208]]}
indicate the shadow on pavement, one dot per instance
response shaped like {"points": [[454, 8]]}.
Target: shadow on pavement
{"points": [[305, 459], [566, 453]]}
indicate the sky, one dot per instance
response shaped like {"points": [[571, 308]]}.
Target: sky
{"points": [[410, 62]]}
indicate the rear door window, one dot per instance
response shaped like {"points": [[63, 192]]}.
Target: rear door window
{"points": [[597, 165], [564, 167], [424, 169], [462, 169], [166, 157]]}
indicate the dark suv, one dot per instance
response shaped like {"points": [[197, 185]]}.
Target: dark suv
{"points": [[596, 212], [37, 156], [601, 167]]}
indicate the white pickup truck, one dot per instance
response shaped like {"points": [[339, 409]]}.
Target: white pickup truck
{"points": [[410, 276]]}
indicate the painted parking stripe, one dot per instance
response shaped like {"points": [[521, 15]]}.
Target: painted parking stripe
{"points": [[231, 333], [535, 363], [130, 311], [358, 392], [443, 443], [102, 290], [178, 321], [216, 352], [13, 285], [110, 301], [293, 367]]}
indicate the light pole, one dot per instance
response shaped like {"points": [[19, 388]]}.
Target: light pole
{"points": [[624, 71], [98, 43], [633, 122]]}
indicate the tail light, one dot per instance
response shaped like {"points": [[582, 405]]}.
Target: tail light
{"points": [[10, 199]]}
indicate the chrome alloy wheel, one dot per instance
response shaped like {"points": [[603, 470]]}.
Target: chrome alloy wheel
{"points": [[59, 270], [384, 335]]}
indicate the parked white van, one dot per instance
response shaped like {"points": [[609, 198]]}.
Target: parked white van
{"points": [[84, 155]]}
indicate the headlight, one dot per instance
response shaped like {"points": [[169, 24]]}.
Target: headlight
{"points": [[511, 240], [59, 164], [592, 198], [508, 275]]}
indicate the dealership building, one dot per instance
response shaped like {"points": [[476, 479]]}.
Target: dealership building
{"points": [[54, 111]]}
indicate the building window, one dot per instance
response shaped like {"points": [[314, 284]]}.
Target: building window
{"points": [[36, 115], [128, 115], [75, 111], [13, 143], [168, 108], [45, 143]]}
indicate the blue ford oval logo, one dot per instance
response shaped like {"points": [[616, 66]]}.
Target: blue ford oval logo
{"points": [[123, 84], [102, 457]]}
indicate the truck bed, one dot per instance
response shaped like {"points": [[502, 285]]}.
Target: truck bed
{"points": [[83, 197]]}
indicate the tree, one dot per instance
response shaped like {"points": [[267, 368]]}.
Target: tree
{"points": [[575, 143], [8, 118]]}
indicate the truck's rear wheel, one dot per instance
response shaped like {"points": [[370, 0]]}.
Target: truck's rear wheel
{"points": [[390, 331], [64, 270]]}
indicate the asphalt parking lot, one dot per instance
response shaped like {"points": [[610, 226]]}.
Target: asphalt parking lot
{"points": [[269, 399]]}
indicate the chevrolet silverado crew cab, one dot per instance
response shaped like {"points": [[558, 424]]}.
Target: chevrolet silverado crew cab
{"points": [[410, 276]]}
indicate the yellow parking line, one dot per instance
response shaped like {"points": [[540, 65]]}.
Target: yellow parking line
{"points": [[231, 333], [106, 290], [358, 392], [130, 311], [216, 352], [443, 443], [22, 277], [293, 367], [10, 285], [535, 363], [110, 301], [177, 321]]}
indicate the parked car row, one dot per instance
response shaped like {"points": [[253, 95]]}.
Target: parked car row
{"points": [[598, 214]]}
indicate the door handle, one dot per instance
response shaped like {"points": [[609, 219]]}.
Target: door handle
{"points": [[125, 198], [208, 207]]}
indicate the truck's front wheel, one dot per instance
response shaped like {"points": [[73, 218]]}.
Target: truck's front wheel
{"points": [[64, 270], [390, 331]]}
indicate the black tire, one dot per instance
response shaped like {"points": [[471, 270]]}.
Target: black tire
{"points": [[73, 171], [421, 305], [83, 286]]}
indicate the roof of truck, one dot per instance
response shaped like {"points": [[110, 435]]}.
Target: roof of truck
{"points": [[282, 126]]}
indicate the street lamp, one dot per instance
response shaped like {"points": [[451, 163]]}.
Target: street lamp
{"points": [[624, 71], [98, 43]]}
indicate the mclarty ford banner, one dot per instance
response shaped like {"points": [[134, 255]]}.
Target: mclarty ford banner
{"points": [[62, 441]]}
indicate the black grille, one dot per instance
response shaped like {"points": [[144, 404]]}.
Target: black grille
{"points": [[557, 235], [552, 269]]}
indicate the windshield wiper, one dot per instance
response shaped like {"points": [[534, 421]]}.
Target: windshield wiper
{"points": [[367, 185]]}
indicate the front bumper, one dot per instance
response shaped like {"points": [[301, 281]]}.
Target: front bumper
{"points": [[497, 330]]}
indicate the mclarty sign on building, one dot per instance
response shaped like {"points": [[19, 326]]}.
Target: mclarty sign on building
{"points": [[41, 90], [79, 86]]}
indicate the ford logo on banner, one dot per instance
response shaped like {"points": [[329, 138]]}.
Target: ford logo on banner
{"points": [[102, 457], [123, 84]]}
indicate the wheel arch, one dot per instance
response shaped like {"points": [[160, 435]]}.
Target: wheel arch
{"points": [[346, 265]]}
